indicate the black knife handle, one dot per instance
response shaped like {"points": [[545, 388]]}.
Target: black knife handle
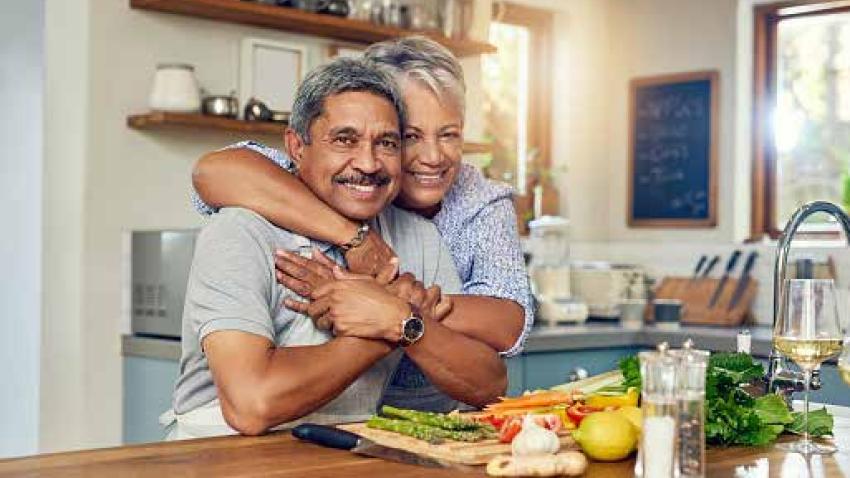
{"points": [[324, 435], [748, 266], [710, 266], [700, 264], [730, 266]]}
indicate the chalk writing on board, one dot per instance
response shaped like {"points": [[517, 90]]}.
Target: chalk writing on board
{"points": [[671, 150]]}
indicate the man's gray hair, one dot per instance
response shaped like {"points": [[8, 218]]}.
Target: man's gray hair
{"points": [[424, 60], [340, 76]]}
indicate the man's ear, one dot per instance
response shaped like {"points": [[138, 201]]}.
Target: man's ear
{"points": [[294, 146]]}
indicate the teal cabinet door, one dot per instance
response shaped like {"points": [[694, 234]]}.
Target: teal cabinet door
{"points": [[547, 369], [148, 386]]}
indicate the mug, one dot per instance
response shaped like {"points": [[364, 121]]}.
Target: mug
{"points": [[668, 310]]}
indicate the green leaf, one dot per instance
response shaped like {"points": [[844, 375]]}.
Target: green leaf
{"points": [[820, 423], [630, 366], [772, 409]]}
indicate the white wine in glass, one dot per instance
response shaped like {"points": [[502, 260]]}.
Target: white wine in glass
{"points": [[844, 364], [808, 331]]}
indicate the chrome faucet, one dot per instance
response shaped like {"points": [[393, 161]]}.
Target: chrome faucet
{"points": [[780, 378]]}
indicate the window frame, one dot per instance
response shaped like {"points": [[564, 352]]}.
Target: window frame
{"points": [[763, 222], [539, 120]]}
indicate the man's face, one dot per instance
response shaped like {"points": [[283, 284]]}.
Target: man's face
{"points": [[354, 160]]}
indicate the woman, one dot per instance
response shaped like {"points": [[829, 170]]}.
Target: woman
{"points": [[474, 216]]}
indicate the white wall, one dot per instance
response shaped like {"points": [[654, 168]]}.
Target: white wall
{"points": [[21, 79]]}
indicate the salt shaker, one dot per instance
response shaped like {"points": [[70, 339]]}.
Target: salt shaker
{"points": [[656, 455], [690, 457]]}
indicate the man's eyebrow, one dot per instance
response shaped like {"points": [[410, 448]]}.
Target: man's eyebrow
{"points": [[349, 130], [389, 134]]}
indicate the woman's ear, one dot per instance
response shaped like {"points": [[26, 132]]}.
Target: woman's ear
{"points": [[294, 146]]}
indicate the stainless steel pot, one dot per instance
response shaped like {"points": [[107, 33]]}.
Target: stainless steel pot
{"points": [[220, 105]]}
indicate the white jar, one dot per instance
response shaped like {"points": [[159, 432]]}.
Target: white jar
{"points": [[175, 89]]}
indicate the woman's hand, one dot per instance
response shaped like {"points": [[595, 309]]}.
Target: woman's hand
{"points": [[369, 257], [302, 275]]}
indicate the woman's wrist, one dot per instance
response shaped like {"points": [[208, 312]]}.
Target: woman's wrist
{"points": [[347, 231]]}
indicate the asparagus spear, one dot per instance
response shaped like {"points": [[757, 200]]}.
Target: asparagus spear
{"points": [[423, 432], [438, 420]]}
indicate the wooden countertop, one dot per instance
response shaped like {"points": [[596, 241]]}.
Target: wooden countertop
{"points": [[282, 455]]}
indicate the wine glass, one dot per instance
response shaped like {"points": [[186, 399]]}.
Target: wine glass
{"points": [[808, 331]]}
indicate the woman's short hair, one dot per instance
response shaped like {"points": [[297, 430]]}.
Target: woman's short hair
{"points": [[424, 60]]}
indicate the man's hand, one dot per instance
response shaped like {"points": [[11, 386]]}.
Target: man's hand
{"points": [[359, 308], [369, 257]]}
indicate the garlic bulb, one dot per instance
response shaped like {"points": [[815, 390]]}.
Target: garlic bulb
{"points": [[534, 440]]}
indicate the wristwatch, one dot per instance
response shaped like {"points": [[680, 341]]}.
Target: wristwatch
{"points": [[358, 238], [412, 329]]}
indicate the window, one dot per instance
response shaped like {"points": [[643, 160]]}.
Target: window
{"points": [[516, 85], [802, 112]]}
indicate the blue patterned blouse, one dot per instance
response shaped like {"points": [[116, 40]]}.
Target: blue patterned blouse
{"points": [[478, 224]]}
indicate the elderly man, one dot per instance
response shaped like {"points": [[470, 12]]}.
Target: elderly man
{"points": [[249, 364]]}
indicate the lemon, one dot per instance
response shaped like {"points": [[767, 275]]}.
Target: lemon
{"points": [[634, 415], [606, 436]]}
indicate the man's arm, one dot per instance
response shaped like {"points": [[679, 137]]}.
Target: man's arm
{"points": [[464, 368], [231, 299], [261, 386]]}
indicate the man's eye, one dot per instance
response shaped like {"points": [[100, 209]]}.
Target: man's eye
{"points": [[450, 135], [388, 143], [345, 140], [411, 138]]}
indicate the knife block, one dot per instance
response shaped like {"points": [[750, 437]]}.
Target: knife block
{"points": [[696, 295]]}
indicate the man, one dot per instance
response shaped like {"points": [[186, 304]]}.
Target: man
{"points": [[249, 364]]}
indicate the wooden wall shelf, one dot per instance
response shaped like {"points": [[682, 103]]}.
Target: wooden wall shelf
{"points": [[174, 121], [299, 21]]}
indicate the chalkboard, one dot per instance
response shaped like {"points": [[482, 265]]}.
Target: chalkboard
{"points": [[673, 148]]}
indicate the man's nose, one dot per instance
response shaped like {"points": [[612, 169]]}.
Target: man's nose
{"points": [[365, 160]]}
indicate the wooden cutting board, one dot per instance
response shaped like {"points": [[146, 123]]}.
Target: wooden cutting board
{"points": [[465, 453]]}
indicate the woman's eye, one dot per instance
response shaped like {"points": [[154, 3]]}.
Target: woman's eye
{"points": [[411, 138], [450, 135]]}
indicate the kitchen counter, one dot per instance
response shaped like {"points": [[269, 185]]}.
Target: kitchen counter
{"points": [[281, 455], [592, 335]]}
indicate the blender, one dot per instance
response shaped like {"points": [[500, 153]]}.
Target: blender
{"points": [[550, 271]]}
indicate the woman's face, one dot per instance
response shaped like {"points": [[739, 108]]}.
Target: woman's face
{"points": [[433, 149]]}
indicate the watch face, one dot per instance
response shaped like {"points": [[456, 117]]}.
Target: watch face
{"points": [[413, 329]]}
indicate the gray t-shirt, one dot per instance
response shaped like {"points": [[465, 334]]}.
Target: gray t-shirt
{"points": [[232, 286]]}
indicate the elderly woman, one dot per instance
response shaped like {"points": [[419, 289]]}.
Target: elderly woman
{"points": [[474, 216]]}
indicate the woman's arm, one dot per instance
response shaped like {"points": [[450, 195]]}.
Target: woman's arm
{"points": [[496, 322], [246, 178], [496, 306]]}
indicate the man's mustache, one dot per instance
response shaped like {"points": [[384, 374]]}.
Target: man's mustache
{"points": [[377, 179]]}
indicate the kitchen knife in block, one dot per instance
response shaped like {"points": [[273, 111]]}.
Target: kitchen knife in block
{"points": [[744, 281], [730, 266], [333, 437], [710, 267], [698, 268]]}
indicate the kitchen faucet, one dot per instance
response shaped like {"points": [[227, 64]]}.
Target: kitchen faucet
{"points": [[780, 378]]}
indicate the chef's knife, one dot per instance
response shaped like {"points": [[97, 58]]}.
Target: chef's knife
{"points": [[744, 281], [698, 268], [710, 267], [333, 437], [730, 266]]}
